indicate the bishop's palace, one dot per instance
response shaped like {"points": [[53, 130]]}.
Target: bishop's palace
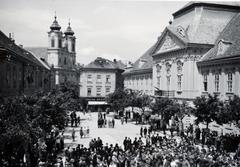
{"points": [[196, 54]]}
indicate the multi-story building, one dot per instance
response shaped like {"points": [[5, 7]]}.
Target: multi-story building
{"points": [[22, 72], [220, 67], [138, 76], [60, 53], [98, 79], [192, 33]]}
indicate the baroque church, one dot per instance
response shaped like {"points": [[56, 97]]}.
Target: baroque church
{"points": [[193, 56], [60, 53]]}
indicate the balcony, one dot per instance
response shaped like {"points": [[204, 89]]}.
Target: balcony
{"points": [[165, 93]]}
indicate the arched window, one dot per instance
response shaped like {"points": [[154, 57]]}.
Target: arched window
{"points": [[158, 75], [65, 60], [59, 43], [52, 43], [179, 74], [73, 47]]}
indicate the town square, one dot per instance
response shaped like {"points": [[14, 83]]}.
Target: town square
{"points": [[111, 83]]}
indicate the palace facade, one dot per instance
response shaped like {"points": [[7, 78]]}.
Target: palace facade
{"points": [[184, 42], [220, 67]]}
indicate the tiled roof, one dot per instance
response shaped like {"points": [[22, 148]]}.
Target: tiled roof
{"points": [[145, 62], [21, 53], [203, 26], [102, 63], [40, 52], [230, 39], [225, 4]]}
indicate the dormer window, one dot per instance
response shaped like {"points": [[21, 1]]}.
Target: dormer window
{"points": [[141, 62], [223, 46], [181, 31]]}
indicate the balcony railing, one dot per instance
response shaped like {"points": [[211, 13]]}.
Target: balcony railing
{"points": [[165, 93]]}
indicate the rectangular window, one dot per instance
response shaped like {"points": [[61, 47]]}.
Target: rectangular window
{"points": [[99, 80], [158, 81], [216, 82], [179, 82], [89, 78], [230, 82], [89, 91], [107, 90], [168, 82], [108, 77], [205, 83], [98, 91]]}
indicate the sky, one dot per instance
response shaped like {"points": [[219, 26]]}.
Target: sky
{"points": [[113, 29]]}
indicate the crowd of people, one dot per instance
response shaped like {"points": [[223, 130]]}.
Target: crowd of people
{"points": [[158, 151], [193, 147]]}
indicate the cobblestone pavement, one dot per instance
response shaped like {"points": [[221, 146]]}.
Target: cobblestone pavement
{"points": [[108, 135]]}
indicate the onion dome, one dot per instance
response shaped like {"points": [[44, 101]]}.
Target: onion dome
{"points": [[55, 25], [69, 30]]}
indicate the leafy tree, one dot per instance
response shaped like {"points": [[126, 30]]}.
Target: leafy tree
{"points": [[118, 99], [206, 108], [160, 105], [232, 111], [142, 101], [25, 119]]}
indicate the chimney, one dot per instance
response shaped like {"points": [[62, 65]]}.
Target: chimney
{"points": [[114, 60], [11, 37]]}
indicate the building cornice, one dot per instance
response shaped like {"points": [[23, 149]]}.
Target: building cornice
{"points": [[220, 61], [136, 72]]}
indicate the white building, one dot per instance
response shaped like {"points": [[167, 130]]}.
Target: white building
{"points": [[98, 79], [192, 33], [138, 76], [60, 53], [220, 67]]}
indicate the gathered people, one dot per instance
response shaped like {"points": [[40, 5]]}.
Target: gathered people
{"points": [[159, 151]]}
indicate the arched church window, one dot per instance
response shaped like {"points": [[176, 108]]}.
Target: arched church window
{"points": [[73, 47], [52, 43], [60, 43], [168, 68]]}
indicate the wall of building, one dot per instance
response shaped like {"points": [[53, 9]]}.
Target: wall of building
{"points": [[223, 84], [139, 82], [179, 64], [18, 78], [95, 83]]}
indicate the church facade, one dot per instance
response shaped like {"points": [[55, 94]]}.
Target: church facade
{"points": [[60, 53], [183, 43]]}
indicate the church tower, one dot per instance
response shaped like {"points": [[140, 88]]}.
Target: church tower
{"points": [[69, 44], [54, 43]]}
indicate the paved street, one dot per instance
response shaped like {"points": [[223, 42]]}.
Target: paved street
{"points": [[108, 135]]}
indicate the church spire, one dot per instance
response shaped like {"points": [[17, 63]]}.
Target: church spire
{"points": [[55, 25], [69, 30]]}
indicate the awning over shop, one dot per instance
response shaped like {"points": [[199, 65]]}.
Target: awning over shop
{"points": [[97, 103]]}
